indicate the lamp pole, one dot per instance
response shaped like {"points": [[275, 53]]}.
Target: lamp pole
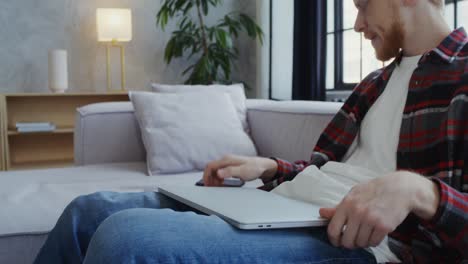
{"points": [[114, 43]]}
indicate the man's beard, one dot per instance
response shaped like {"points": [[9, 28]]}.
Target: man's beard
{"points": [[392, 42]]}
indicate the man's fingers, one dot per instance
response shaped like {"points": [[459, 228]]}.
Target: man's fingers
{"points": [[335, 227], [228, 161], [228, 172], [349, 235], [207, 176], [210, 178], [365, 231], [327, 213], [377, 237], [210, 174]]}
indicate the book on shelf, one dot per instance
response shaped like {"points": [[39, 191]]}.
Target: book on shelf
{"points": [[35, 127], [33, 124]]}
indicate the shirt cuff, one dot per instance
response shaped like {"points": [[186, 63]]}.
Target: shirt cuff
{"points": [[284, 168], [443, 202]]}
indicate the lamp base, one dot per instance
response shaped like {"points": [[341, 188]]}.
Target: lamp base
{"points": [[122, 64]]}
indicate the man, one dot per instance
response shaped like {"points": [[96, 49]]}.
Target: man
{"points": [[408, 122]]}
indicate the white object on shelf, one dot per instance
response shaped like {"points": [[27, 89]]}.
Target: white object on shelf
{"points": [[58, 71], [37, 129], [33, 124]]}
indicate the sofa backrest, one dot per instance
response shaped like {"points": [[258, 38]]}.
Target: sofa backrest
{"points": [[288, 129], [109, 132]]}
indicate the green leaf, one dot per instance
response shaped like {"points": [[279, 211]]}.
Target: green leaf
{"points": [[179, 3], [165, 19], [221, 37], [204, 5], [187, 8], [183, 23], [215, 2], [248, 24], [260, 34], [188, 69], [211, 33], [169, 51], [160, 18]]}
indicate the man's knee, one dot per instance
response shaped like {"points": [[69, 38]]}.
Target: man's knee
{"points": [[87, 208], [137, 234], [86, 203]]}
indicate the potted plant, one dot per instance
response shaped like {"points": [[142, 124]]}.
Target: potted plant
{"points": [[211, 46]]}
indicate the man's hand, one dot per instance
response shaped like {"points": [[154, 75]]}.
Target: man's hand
{"points": [[244, 168], [372, 210]]}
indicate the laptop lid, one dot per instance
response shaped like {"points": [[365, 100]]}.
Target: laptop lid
{"points": [[247, 208]]}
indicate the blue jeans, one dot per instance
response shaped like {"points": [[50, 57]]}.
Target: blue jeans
{"points": [[109, 227]]}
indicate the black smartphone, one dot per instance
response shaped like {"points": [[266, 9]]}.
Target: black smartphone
{"points": [[229, 182]]}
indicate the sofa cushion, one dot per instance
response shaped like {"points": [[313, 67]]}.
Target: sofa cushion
{"points": [[185, 131], [32, 201]]}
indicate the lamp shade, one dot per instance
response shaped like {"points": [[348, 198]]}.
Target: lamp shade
{"points": [[114, 24]]}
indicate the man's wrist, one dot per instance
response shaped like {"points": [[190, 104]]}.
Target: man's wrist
{"points": [[271, 167], [426, 198]]}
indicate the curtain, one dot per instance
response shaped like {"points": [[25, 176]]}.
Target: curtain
{"points": [[309, 56]]}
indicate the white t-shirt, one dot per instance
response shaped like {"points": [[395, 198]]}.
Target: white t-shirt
{"points": [[376, 145], [372, 154]]}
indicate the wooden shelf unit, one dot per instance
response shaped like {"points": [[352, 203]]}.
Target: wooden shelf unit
{"points": [[34, 150], [42, 165]]}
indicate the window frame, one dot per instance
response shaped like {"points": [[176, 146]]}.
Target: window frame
{"points": [[455, 13], [338, 31]]}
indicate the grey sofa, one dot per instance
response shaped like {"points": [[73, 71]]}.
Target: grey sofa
{"points": [[109, 156]]}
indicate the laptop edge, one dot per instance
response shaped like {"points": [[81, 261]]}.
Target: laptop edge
{"points": [[251, 226]]}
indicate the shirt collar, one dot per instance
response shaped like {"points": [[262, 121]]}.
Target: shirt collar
{"points": [[449, 48]]}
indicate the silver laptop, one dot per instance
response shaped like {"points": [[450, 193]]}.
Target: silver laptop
{"points": [[247, 208]]}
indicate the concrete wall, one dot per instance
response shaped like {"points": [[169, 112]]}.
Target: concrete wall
{"points": [[30, 28]]}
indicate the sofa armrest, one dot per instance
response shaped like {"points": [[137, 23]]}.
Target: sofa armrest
{"points": [[288, 129], [107, 133]]}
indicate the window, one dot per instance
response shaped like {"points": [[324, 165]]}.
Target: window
{"points": [[462, 20], [350, 57], [453, 13], [282, 42]]}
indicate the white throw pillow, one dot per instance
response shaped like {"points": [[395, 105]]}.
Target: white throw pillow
{"points": [[184, 131], [235, 91]]}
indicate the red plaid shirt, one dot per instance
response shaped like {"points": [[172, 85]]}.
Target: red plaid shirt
{"points": [[433, 142]]}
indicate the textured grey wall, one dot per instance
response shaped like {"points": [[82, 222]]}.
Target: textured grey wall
{"points": [[30, 28]]}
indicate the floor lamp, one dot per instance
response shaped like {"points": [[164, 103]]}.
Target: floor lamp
{"points": [[114, 26]]}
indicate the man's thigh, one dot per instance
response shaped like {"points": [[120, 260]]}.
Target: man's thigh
{"points": [[166, 236]]}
